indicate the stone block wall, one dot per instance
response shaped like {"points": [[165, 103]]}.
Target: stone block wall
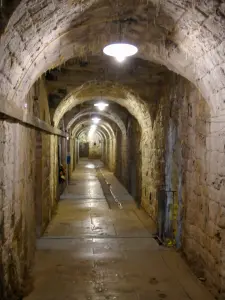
{"points": [[73, 153], [17, 206], [46, 187], [111, 153], [134, 159], [54, 165], [152, 169], [29, 182], [119, 164], [194, 168], [121, 161], [187, 156]]}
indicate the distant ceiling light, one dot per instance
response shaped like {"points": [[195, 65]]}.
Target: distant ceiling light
{"points": [[95, 120], [101, 105], [67, 138], [120, 51]]}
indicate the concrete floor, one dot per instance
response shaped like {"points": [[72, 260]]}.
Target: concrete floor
{"points": [[91, 252]]}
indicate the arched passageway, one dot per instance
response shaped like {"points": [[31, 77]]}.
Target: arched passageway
{"points": [[108, 144], [161, 136]]}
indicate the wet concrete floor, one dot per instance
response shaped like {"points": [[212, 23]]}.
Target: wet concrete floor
{"points": [[92, 252]]}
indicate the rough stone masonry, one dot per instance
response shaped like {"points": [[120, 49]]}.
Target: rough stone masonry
{"points": [[164, 127]]}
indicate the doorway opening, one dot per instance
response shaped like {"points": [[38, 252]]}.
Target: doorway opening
{"points": [[84, 149]]}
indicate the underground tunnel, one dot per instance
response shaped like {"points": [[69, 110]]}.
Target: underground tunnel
{"points": [[112, 149]]}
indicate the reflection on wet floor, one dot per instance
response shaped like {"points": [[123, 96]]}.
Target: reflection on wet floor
{"points": [[92, 252], [90, 166]]}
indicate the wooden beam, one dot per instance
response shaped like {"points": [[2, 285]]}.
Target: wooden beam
{"points": [[9, 110]]}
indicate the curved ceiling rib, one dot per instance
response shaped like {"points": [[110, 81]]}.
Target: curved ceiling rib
{"points": [[107, 128], [112, 92], [184, 50], [109, 115]]}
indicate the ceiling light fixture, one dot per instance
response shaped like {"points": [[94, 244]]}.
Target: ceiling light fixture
{"points": [[101, 105], [96, 120], [120, 50]]}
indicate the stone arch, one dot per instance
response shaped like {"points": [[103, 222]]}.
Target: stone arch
{"points": [[102, 124], [118, 94], [74, 144], [99, 131], [121, 95], [182, 47], [80, 129], [110, 140], [87, 126], [121, 159], [191, 45], [109, 114], [112, 92]]}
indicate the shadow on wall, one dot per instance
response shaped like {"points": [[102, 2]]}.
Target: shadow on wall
{"points": [[134, 159]]}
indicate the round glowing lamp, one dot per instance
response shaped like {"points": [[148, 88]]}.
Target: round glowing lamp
{"points": [[101, 105], [95, 120], [120, 51]]}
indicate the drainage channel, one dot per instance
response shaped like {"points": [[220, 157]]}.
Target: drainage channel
{"points": [[110, 197]]}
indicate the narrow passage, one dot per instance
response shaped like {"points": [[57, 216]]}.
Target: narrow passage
{"points": [[95, 251]]}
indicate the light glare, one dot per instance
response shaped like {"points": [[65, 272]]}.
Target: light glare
{"points": [[101, 105], [120, 58], [120, 51], [95, 120], [90, 166]]}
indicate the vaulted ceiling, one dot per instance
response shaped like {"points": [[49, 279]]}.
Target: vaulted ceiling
{"points": [[141, 76], [185, 36]]}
